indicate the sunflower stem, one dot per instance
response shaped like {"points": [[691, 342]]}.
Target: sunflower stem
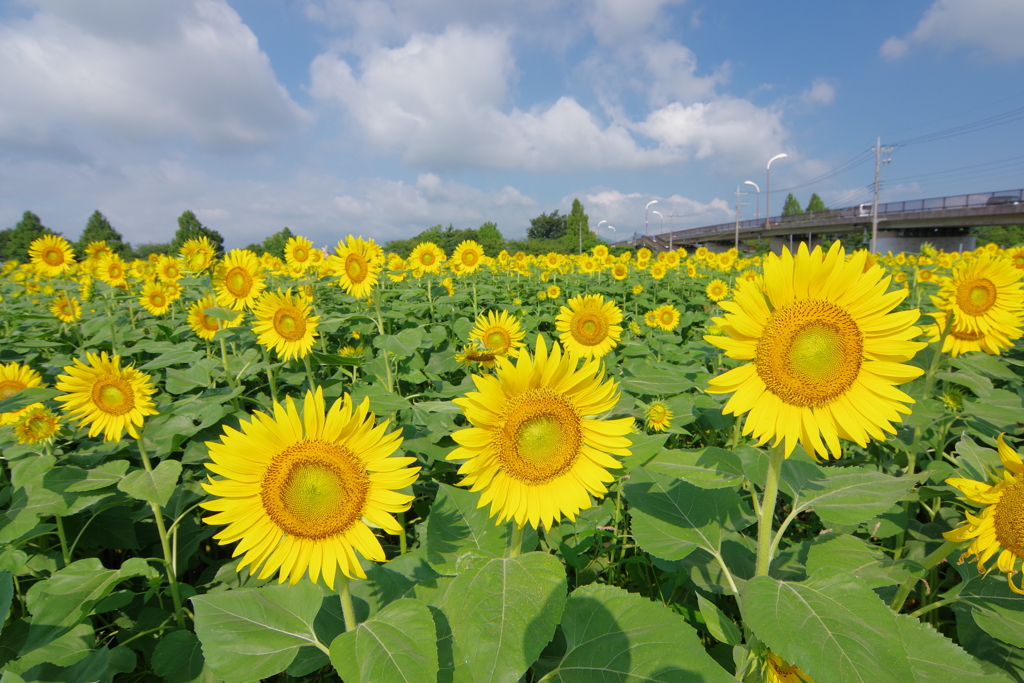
{"points": [[270, 376], [165, 545], [309, 372], [63, 541], [516, 542], [904, 590], [403, 543], [348, 610], [227, 372], [764, 525], [476, 309]]}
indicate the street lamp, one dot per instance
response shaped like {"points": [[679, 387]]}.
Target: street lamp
{"points": [[757, 210], [768, 192], [612, 228], [653, 201], [662, 229]]}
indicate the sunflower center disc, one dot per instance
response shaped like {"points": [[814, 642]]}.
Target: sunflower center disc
{"points": [[1009, 519], [53, 257], [300, 254], [238, 282], [157, 300], [976, 297], [314, 489], [9, 388], [113, 396], [209, 322], [290, 324], [541, 436], [656, 413], [497, 339], [810, 353], [589, 328], [355, 266]]}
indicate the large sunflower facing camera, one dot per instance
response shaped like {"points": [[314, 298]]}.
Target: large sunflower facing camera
{"points": [[826, 351]]}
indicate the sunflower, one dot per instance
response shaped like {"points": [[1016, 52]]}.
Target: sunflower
{"points": [[717, 290], [651, 319], [658, 271], [658, 416], [283, 323], [826, 352], [467, 257], [984, 294], [238, 281], [637, 289], [51, 255], [111, 269], [959, 340], [197, 254], [531, 449], [778, 670], [449, 286], [154, 299], [168, 268], [1016, 257], [356, 263], [589, 326], [396, 268], [203, 323], [97, 249], [620, 271], [66, 308], [1001, 523], [427, 257], [495, 334], [554, 292], [298, 252], [14, 378], [300, 493], [469, 355], [106, 396], [37, 424], [667, 317]]}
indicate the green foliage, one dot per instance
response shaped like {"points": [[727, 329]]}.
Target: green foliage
{"points": [[815, 204], [98, 228], [1004, 235], [142, 251], [487, 236], [190, 228], [550, 226], [14, 242], [395, 646], [792, 206], [274, 244]]}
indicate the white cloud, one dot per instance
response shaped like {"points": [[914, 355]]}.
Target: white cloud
{"points": [[821, 92], [626, 211], [731, 133], [994, 26], [440, 100], [140, 71], [614, 21], [673, 74]]}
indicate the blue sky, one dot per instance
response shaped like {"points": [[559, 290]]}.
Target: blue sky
{"points": [[383, 117]]}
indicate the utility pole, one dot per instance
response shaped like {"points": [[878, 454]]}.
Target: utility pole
{"points": [[671, 229], [878, 150], [738, 205]]}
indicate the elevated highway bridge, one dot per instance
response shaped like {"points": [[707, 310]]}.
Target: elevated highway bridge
{"points": [[945, 222]]}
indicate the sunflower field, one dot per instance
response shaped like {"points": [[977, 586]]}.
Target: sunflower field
{"points": [[476, 467]]}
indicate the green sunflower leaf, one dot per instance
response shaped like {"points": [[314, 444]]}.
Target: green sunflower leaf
{"points": [[27, 397], [672, 517], [154, 486], [503, 611], [253, 633], [612, 635], [397, 645], [847, 634]]}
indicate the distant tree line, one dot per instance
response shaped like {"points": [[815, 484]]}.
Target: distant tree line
{"points": [[792, 205]]}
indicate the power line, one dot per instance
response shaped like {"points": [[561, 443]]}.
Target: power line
{"points": [[987, 105], [847, 165], [963, 129]]}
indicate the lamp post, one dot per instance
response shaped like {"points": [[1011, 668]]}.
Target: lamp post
{"points": [[757, 209], [768, 192], [662, 229], [612, 228], [653, 201]]}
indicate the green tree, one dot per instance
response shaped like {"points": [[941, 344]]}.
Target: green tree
{"points": [[490, 238], [274, 244], [1003, 235], [142, 251], [577, 223], [14, 242], [99, 228], [792, 206], [547, 226], [815, 205], [190, 228]]}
